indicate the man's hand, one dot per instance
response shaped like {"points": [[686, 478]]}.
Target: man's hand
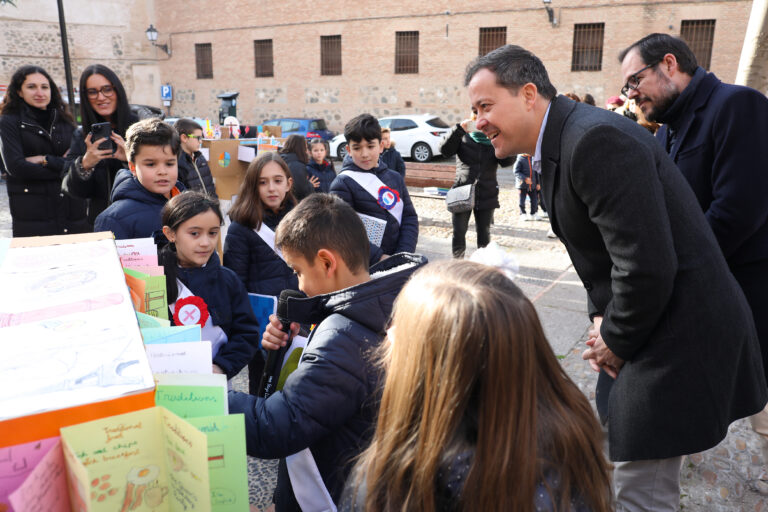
{"points": [[274, 338], [37, 159], [217, 369], [598, 354]]}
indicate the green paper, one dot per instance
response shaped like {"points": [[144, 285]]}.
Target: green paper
{"points": [[190, 396], [155, 292], [173, 334], [227, 461], [146, 321]]}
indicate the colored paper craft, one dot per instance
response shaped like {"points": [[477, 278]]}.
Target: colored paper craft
{"points": [[17, 463], [227, 461], [134, 252], [148, 460], [173, 334], [183, 357], [263, 306], [148, 322], [155, 301], [190, 395], [291, 359], [45, 489]]}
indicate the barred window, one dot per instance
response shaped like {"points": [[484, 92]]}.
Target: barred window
{"points": [[406, 52], [587, 47], [699, 34], [491, 38], [263, 59], [330, 55], [204, 60]]}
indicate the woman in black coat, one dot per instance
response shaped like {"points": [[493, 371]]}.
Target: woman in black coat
{"points": [[35, 134], [476, 163], [91, 171], [296, 155]]}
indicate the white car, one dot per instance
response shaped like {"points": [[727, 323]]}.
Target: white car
{"points": [[415, 136]]}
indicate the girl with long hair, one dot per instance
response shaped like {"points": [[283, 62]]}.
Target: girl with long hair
{"points": [[476, 411], [91, 172], [296, 155], [35, 134], [201, 291], [264, 198]]}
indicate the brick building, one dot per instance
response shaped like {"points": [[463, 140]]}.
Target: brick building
{"points": [[335, 60]]}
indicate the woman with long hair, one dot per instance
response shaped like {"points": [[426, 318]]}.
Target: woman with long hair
{"points": [[476, 412], [35, 134], [92, 170], [295, 153]]}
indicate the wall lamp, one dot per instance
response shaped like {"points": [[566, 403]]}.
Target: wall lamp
{"points": [[550, 12], [152, 38]]}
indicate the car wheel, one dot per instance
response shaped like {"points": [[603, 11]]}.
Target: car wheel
{"points": [[421, 152], [342, 151]]}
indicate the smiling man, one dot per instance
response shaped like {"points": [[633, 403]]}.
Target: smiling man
{"points": [[652, 269]]}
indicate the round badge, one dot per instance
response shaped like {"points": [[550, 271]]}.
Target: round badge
{"points": [[190, 311], [388, 198], [224, 159]]}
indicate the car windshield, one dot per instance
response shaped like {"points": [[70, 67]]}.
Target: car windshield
{"points": [[437, 123], [318, 124]]}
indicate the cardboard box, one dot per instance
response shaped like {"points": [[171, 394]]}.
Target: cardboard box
{"points": [[226, 166]]}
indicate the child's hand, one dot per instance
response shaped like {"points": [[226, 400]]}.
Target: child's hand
{"points": [[383, 257], [274, 338], [315, 181], [120, 151], [217, 369]]}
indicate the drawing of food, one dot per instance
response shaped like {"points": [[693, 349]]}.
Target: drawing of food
{"points": [[139, 478], [101, 488], [176, 461]]}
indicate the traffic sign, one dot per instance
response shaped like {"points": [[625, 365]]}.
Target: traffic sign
{"points": [[166, 92]]}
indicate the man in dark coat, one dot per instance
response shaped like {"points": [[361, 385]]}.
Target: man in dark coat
{"points": [[659, 290], [716, 133]]}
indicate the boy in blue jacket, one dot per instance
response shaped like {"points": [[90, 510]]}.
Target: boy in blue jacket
{"points": [[375, 191], [325, 413], [140, 192]]}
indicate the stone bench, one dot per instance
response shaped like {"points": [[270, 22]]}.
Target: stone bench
{"points": [[429, 175]]}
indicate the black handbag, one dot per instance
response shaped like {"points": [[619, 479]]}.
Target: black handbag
{"points": [[460, 199]]}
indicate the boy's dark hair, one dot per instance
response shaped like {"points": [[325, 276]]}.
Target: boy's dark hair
{"points": [[175, 212], [514, 67], [324, 221], [654, 47], [364, 126], [150, 132], [186, 126]]}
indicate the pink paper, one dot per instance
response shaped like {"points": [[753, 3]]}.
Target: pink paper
{"points": [[17, 463], [138, 260], [45, 490], [152, 271]]}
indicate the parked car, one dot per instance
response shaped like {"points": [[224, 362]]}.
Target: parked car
{"points": [[304, 126], [415, 136]]}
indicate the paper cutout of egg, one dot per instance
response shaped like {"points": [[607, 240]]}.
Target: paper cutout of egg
{"points": [[143, 475]]}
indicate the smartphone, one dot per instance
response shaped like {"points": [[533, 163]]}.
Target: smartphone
{"points": [[101, 131]]}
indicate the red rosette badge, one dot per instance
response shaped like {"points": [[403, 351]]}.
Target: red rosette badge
{"points": [[190, 311]]}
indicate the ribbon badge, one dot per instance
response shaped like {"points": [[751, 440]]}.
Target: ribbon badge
{"points": [[388, 198], [190, 311]]}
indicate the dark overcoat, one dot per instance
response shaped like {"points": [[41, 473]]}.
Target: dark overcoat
{"points": [[652, 268]]}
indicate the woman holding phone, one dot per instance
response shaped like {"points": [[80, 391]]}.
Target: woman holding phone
{"points": [[92, 169], [35, 134]]}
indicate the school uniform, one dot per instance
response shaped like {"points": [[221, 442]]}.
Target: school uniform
{"points": [[324, 172]]}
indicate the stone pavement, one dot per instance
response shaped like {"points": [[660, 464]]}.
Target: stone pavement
{"points": [[724, 478]]}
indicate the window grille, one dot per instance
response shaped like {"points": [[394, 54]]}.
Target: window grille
{"points": [[330, 55], [204, 60], [406, 52], [699, 34], [587, 47], [491, 38], [263, 58]]}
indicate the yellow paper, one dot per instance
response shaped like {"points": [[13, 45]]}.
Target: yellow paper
{"points": [[147, 460]]}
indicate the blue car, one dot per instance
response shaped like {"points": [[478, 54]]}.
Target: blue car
{"points": [[304, 126]]}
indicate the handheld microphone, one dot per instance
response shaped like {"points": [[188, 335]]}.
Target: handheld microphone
{"points": [[269, 378]]}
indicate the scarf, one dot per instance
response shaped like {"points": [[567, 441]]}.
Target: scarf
{"points": [[480, 138]]}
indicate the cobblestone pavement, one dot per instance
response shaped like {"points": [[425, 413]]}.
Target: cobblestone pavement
{"points": [[724, 478]]}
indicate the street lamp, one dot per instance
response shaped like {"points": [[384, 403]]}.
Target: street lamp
{"points": [[550, 12], [152, 38]]}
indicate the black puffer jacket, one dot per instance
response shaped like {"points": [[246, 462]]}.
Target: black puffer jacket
{"points": [[475, 163], [38, 206], [255, 263], [301, 185], [329, 403], [323, 172], [193, 169], [98, 187]]}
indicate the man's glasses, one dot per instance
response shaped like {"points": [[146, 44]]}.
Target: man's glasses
{"points": [[106, 90], [194, 136], [633, 82]]}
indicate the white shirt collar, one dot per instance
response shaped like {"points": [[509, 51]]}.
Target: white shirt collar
{"points": [[536, 159]]}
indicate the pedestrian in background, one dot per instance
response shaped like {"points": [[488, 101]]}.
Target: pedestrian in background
{"points": [[91, 171], [476, 164], [35, 134], [529, 187], [296, 155], [194, 171], [389, 154]]}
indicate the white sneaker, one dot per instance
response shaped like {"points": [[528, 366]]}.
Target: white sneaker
{"points": [[551, 234], [527, 217], [541, 216]]}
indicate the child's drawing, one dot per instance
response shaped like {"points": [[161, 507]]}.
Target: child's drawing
{"points": [[143, 486]]}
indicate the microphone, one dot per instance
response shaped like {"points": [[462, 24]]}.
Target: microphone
{"points": [[269, 378]]}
